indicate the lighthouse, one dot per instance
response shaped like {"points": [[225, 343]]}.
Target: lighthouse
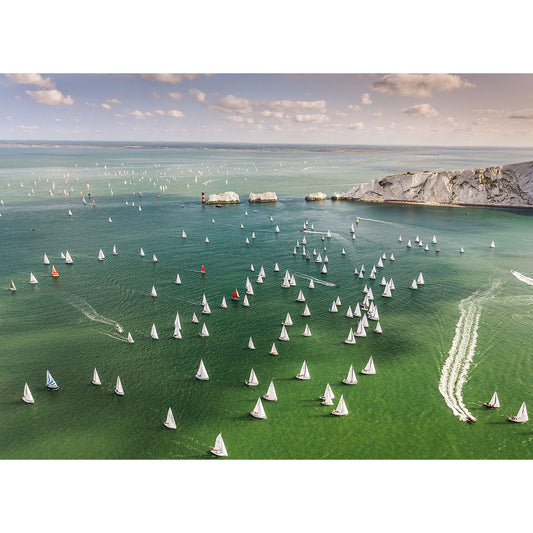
{"points": [[203, 197]]}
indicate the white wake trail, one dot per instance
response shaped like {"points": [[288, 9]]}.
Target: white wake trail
{"points": [[521, 277], [454, 372], [315, 280], [90, 312]]}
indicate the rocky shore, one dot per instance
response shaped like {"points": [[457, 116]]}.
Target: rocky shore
{"points": [[263, 197], [228, 197]]}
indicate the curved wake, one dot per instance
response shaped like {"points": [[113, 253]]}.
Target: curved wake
{"points": [[454, 373], [521, 277], [89, 311], [316, 280]]}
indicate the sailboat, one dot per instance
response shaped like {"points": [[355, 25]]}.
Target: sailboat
{"points": [[357, 311], [341, 407], [360, 332], [462, 250], [177, 333], [351, 337], [324, 269], [311, 284], [46, 261], [494, 402], [333, 308], [68, 259], [252, 380], [12, 286], [154, 292], [369, 368], [204, 332], [391, 258], [420, 279], [259, 279], [118, 387], [273, 350], [387, 292], [301, 297], [206, 310], [307, 331], [183, 234], [28, 398], [270, 394], [130, 338], [207, 239], [258, 411], [96, 378], [378, 328], [414, 285], [33, 279], [349, 312], [492, 245], [379, 264], [351, 378], [170, 423], [224, 305], [288, 320], [409, 243], [219, 449], [50, 383], [521, 416], [153, 333], [284, 336], [262, 272], [251, 345], [276, 268], [109, 220], [101, 255], [114, 252], [245, 301], [178, 280], [235, 295], [328, 396], [304, 372], [154, 259], [194, 319], [338, 301], [277, 229], [141, 253], [62, 255], [202, 372]]}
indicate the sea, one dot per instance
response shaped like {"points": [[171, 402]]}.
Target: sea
{"points": [[444, 350]]}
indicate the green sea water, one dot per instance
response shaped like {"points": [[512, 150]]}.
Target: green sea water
{"points": [[470, 307]]}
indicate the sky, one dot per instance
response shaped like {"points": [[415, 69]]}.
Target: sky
{"points": [[389, 108]]}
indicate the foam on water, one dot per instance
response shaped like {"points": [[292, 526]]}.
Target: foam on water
{"points": [[521, 277], [90, 312]]}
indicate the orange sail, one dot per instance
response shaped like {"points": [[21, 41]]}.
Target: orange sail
{"points": [[202, 270], [235, 295], [54, 272]]}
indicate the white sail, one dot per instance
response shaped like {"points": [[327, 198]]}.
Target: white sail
{"points": [[391, 285], [273, 350], [318, 259], [292, 281], [207, 239], [194, 318], [364, 320], [351, 378], [351, 337], [341, 407], [270, 394], [328, 235], [96, 378], [177, 321], [219, 448], [301, 297], [183, 234], [259, 279], [360, 330], [224, 305], [369, 368], [252, 269], [333, 308], [391, 258], [33, 279], [245, 301], [374, 315], [204, 332], [118, 387], [311, 284], [170, 422], [521, 416], [50, 383], [409, 243], [379, 264], [28, 398], [262, 272], [324, 269], [202, 372], [46, 261], [153, 333], [177, 333], [252, 380], [142, 254], [153, 292], [338, 301], [378, 328], [494, 402], [101, 255], [357, 311], [387, 292], [288, 320], [284, 336], [114, 252], [62, 255], [462, 250], [277, 229], [206, 310], [420, 279], [304, 372], [251, 345], [178, 280], [307, 331], [328, 393], [276, 268], [370, 294], [68, 258], [130, 338], [349, 312], [414, 285], [258, 410], [154, 258], [492, 245], [69, 213], [383, 281]]}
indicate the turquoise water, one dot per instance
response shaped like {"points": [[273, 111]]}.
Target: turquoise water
{"points": [[68, 325]]}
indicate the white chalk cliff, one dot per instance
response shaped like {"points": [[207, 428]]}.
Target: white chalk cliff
{"points": [[313, 196], [501, 186], [228, 197], [263, 197]]}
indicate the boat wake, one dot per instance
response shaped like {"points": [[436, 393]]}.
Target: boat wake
{"points": [[316, 280], [376, 220], [90, 312], [115, 336], [454, 373], [521, 277]]}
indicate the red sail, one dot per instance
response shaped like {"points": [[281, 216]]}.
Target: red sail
{"points": [[235, 295]]}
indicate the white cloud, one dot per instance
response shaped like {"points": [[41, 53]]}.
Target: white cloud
{"points": [[356, 126], [355, 107], [377, 114], [169, 78], [419, 85], [29, 128], [341, 114], [268, 113], [106, 106], [451, 121], [232, 104], [113, 101], [421, 110], [526, 114], [159, 112], [174, 113], [297, 106], [32, 79], [140, 115], [366, 99], [313, 118], [50, 97], [58, 120], [175, 97], [235, 118], [199, 96]]}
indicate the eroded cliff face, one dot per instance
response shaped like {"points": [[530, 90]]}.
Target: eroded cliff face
{"points": [[228, 197], [263, 197], [507, 185]]}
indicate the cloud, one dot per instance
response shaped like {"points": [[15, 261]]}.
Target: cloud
{"points": [[50, 97], [421, 110], [32, 79], [352, 107], [311, 118], [524, 114], [377, 114], [356, 126], [232, 104], [268, 113], [169, 78], [297, 106], [199, 96], [366, 99], [419, 85], [174, 113], [113, 101], [106, 106], [235, 118], [29, 128], [159, 112], [139, 115], [176, 97]]}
